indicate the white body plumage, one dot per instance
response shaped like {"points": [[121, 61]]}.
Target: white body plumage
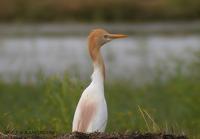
{"points": [[92, 95]]}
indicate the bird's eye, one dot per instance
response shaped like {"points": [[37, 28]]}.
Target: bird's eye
{"points": [[106, 36]]}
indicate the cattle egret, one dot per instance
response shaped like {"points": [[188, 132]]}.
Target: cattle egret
{"points": [[91, 112]]}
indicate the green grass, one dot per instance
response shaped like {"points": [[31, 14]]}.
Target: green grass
{"points": [[168, 106]]}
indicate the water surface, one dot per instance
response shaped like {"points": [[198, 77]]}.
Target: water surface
{"points": [[32, 49]]}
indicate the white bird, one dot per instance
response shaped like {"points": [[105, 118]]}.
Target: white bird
{"points": [[91, 112]]}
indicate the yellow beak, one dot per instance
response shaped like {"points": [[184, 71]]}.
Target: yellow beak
{"points": [[116, 36]]}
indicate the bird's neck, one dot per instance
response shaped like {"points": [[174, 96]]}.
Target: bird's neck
{"points": [[98, 63], [97, 78]]}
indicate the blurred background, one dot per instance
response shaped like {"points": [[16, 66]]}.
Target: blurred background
{"points": [[44, 63]]}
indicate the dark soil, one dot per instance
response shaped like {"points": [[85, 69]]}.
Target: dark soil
{"points": [[96, 135]]}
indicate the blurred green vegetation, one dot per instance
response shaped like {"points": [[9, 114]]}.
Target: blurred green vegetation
{"points": [[98, 10], [49, 104]]}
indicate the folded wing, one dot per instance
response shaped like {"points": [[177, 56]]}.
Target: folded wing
{"points": [[85, 113]]}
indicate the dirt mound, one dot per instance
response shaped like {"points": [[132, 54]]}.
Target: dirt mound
{"points": [[96, 135], [135, 135]]}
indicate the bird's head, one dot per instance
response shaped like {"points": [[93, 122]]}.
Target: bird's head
{"points": [[99, 37]]}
